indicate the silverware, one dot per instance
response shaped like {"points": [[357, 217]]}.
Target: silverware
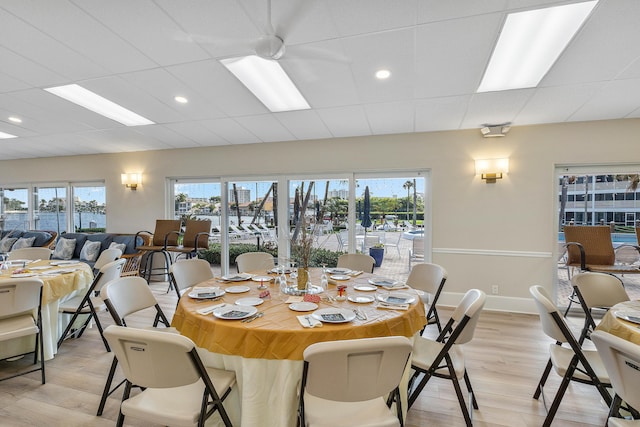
{"points": [[309, 321], [254, 317]]}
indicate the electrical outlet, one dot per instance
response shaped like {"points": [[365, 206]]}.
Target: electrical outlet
{"points": [[495, 289]]}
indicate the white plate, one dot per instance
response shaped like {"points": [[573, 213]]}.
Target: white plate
{"points": [[382, 282], [303, 306], [240, 277], [364, 288], [63, 262], [287, 270], [334, 315], [630, 316], [18, 275], [361, 299], [206, 293], [237, 289], [397, 298], [235, 312], [339, 277], [262, 278], [249, 301], [338, 270]]}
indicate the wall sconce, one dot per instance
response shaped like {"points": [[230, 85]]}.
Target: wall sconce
{"points": [[492, 169], [131, 180]]}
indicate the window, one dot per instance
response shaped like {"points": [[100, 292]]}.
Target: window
{"points": [[14, 209], [50, 208], [89, 208]]}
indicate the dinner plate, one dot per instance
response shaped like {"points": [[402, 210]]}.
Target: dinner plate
{"points": [[364, 288], [337, 270], [287, 270], [237, 289], [262, 278], [18, 275], [235, 312], [206, 293], [339, 277], [240, 277], [397, 298], [630, 316], [334, 315], [382, 282], [249, 301], [361, 299], [303, 306]]}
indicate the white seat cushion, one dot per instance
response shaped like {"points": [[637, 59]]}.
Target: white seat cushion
{"points": [[426, 350], [561, 357], [70, 306], [16, 327], [328, 413]]}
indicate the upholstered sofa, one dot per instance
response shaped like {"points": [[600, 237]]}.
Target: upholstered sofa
{"points": [[105, 241], [41, 238]]}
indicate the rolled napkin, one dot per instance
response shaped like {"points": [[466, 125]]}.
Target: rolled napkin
{"points": [[396, 285], [356, 273], [388, 306], [309, 322], [210, 309]]}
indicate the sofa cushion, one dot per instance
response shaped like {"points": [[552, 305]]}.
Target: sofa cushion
{"points": [[64, 248], [121, 246], [90, 251], [42, 237], [80, 238], [105, 239], [23, 242], [129, 241], [6, 243]]}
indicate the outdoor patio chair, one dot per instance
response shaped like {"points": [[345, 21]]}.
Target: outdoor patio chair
{"points": [[596, 291], [393, 243], [20, 317], [164, 235], [353, 382], [195, 237], [177, 389], [567, 357], [416, 253], [444, 357], [621, 359]]}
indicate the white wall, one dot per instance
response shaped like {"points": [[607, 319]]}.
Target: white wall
{"points": [[484, 234]]}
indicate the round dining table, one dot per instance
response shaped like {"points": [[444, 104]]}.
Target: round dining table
{"points": [[61, 281], [267, 353], [623, 320]]}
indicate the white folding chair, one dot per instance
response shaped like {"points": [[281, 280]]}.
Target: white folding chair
{"points": [[105, 257], [187, 273], [353, 382], [621, 359], [30, 254], [357, 262], [443, 357], [429, 278], [89, 303], [254, 261], [20, 303], [177, 389]]}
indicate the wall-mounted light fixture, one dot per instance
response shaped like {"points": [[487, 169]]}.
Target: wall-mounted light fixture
{"points": [[492, 169], [131, 180]]}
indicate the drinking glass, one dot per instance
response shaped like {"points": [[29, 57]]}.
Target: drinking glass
{"points": [[324, 280]]}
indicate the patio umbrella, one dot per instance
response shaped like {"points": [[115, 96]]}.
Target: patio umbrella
{"points": [[366, 215]]}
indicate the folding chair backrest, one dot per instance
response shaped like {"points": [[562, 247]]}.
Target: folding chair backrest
{"points": [[427, 277], [107, 256], [190, 272], [621, 359], [30, 254], [19, 296], [356, 370], [164, 227], [599, 289], [546, 309], [254, 261], [596, 241], [471, 306], [128, 295], [197, 228], [151, 358], [358, 262], [109, 272]]}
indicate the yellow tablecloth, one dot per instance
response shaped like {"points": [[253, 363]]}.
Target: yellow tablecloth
{"points": [[619, 327], [278, 334], [56, 288]]}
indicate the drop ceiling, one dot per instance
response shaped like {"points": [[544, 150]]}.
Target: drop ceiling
{"points": [[143, 53]]}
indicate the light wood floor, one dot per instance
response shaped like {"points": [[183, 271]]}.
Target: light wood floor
{"points": [[504, 361]]}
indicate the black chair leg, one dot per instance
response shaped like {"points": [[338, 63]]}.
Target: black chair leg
{"points": [[543, 380]]}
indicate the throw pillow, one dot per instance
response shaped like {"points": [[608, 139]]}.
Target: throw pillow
{"points": [[6, 243], [23, 242], [120, 246], [64, 248], [90, 251]]}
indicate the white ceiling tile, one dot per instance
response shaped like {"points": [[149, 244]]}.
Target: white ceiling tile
{"points": [[305, 124], [346, 121], [230, 131], [266, 127], [613, 100], [391, 117], [494, 107], [445, 113]]}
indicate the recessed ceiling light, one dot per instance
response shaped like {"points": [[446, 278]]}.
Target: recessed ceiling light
{"points": [[15, 119], [383, 74], [94, 102], [6, 135], [266, 79], [530, 43], [181, 99]]}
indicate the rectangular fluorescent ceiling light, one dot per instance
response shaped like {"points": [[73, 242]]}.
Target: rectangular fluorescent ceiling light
{"points": [[530, 43], [94, 102], [266, 79], [6, 135]]}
